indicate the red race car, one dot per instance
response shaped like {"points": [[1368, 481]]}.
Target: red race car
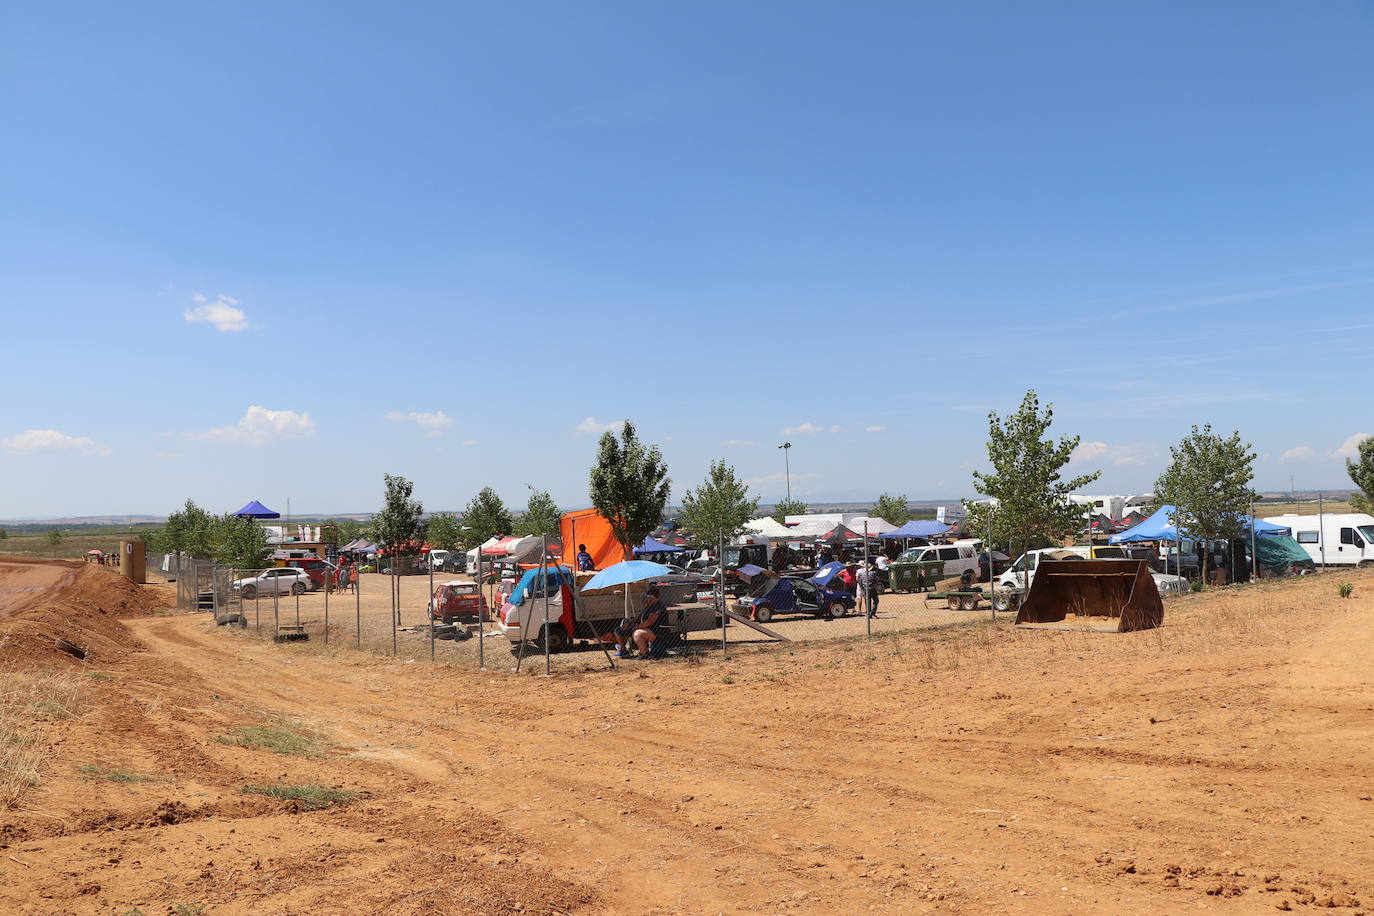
{"points": [[453, 600]]}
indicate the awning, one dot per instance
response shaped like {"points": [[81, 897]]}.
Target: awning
{"points": [[919, 529]]}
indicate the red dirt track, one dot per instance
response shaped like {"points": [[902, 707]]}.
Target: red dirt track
{"points": [[1219, 763]]}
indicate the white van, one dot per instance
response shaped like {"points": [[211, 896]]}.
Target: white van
{"points": [[957, 557], [1343, 539]]}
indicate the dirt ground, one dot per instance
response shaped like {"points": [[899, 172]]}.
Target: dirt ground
{"points": [[1218, 763]]}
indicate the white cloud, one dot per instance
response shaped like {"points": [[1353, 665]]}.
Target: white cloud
{"points": [[223, 313], [804, 428], [592, 425], [166, 456], [737, 442], [434, 422], [875, 429], [1350, 448], [50, 440], [469, 441], [1087, 451], [837, 429], [1301, 453], [1130, 454], [259, 426]]}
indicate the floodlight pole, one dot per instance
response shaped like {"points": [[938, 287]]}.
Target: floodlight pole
{"points": [[787, 467]]}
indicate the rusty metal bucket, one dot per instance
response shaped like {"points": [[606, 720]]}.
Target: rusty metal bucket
{"points": [[1121, 589]]}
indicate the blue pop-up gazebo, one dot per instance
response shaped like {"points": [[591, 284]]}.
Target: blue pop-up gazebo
{"points": [[1160, 527], [256, 509], [651, 546]]}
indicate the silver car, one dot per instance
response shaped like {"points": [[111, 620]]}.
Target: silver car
{"points": [[276, 581]]}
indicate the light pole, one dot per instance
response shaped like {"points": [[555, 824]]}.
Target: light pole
{"points": [[787, 467]]}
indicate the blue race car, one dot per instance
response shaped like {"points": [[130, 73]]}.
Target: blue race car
{"points": [[794, 595]]}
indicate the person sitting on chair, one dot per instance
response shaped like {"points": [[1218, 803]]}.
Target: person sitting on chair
{"points": [[651, 624], [584, 559]]}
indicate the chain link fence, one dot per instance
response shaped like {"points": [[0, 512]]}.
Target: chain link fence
{"points": [[434, 617]]}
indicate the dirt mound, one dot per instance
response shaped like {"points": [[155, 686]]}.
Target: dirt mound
{"points": [[65, 612]]}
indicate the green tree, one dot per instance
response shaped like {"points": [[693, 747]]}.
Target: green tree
{"points": [[891, 509], [485, 517], [786, 507], [4, 534], [542, 516], [444, 531], [240, 542], [191, 529], [53, 537], [1361, 472], [398, 524], [1208, 483], [629, 486], [720, 505], [1033, 507], [344, 530]]}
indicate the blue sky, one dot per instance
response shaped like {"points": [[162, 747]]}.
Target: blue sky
{"points": [[275, 250]]}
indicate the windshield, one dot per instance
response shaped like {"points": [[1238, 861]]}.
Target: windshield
{"points": [[910, 556], [1367, 531]]}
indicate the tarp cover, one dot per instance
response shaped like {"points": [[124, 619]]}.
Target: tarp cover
{"points": [[1277, 553], [877, 527], [923, 529], [840, 534]]}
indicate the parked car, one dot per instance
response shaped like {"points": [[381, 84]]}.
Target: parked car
{"points": [[453, 600], [276, 581], [794, 595], [313, 567], [680, 586]]}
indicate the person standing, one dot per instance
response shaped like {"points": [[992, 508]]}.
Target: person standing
{"points": [[882, 563], [868, 582]]}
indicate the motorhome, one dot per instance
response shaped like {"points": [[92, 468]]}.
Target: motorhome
{"points": [[1336, 539]]}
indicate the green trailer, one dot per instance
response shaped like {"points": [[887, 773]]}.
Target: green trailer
{"points": [[915, 576]]}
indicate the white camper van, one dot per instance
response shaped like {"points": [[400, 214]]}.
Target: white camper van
{"points": [[1345, 539]]}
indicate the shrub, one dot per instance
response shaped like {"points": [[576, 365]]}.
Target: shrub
{"points": [[1345, 589]]}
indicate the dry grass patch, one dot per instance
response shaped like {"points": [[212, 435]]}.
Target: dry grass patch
{"points": [[26, 701]]}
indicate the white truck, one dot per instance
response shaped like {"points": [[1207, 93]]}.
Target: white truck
{"points": [[571, 613], [1338, 539], [957, 557]]}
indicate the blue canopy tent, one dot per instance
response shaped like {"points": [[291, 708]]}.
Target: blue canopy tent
{"points": [[652, 546], [922, 529], [256, 509], [1160, 527]]}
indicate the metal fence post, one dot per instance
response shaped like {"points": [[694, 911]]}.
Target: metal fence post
{"points": [[357, 601], [481, 626], [429, 606], [720, 589], [544, 574]]}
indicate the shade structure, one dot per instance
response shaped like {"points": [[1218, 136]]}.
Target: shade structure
{"points": [[1161, 527], [839, 535], [625, 572], [918, 529], [875, 526], [652, 546], [256, 509], [768, 527]]}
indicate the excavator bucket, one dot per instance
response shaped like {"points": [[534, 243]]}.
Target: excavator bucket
{"points": [[1120, 589]]}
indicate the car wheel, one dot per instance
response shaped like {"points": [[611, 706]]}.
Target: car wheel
{"points": [[763, 613], [250, 592], [554, 636], [954, 602], [835, 610], [298, 588], [447, 620]]}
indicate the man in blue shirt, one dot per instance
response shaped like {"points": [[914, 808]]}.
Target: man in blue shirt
{"points": [[584, 559]]}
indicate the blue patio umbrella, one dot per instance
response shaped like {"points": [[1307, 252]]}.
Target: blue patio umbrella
{"points": [[626, 571], [256, 509]]}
